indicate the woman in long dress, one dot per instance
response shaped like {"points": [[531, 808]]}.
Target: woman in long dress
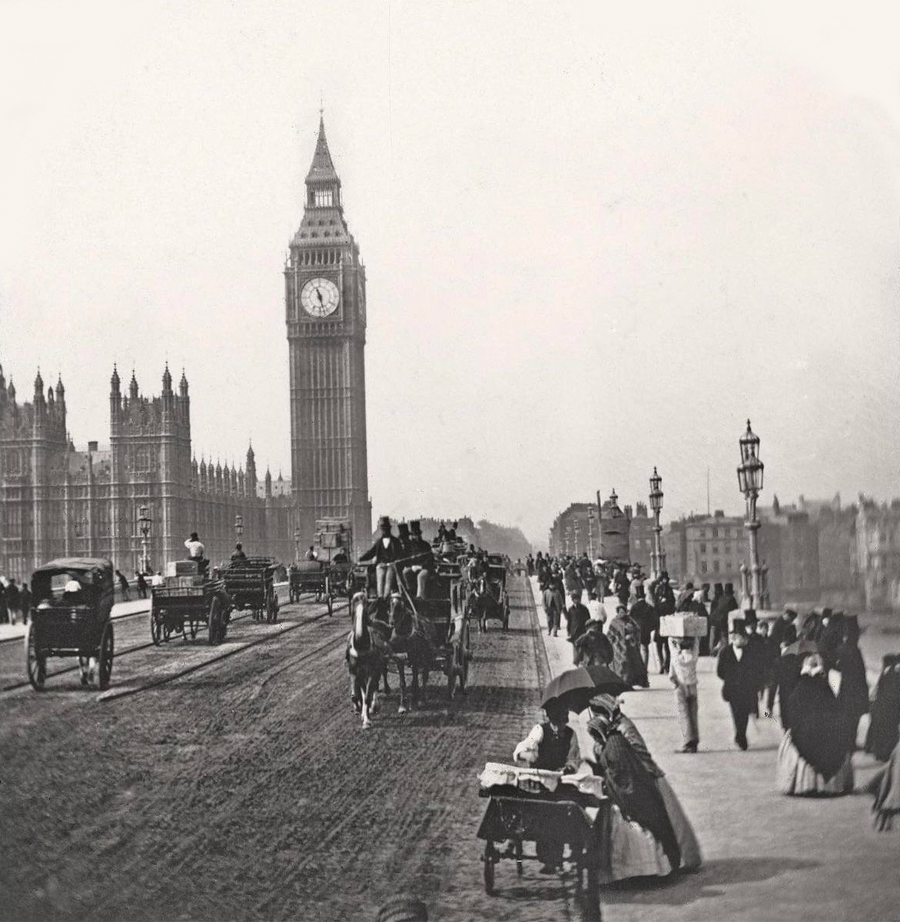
{"points": [[634, 853], [625, 636], [814, 756]]}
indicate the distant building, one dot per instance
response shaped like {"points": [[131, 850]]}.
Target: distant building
{"points": [[641, 536], [57, 501], [706, 549], [878, 553], [573, 531]]}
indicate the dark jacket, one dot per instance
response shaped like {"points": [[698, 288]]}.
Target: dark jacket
{"points": [[740, 678], [381, 554], [577, 619]]}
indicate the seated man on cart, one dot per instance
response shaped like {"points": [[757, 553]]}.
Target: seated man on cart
{"points": [[196, 551], [552, 746], [420, 561], [385, 553]]}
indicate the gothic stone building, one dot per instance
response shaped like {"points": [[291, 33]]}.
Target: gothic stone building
{"points": [[56, 501], [325, 308]]}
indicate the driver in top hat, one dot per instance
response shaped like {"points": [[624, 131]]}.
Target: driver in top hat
{"points": [[386, 551], [421, 562]]}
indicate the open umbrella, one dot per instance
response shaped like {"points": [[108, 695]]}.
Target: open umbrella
{"points": [[801, 648], [569, 681], [576, 687]]}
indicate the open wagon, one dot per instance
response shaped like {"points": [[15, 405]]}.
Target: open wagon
{"points": [[72, 599], [250, 584], [544, 808], [312, 577], [186, 601]]}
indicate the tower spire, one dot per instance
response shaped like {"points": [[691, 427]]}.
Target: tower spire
{"points": [[322, 169]]}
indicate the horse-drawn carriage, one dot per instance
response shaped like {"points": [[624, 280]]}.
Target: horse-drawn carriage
{"points": [[186, 600], [250, 584], [487, 598], [72, 599], [323, 580], [425, 635]]}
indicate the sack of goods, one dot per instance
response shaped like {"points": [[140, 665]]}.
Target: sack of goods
{"points": [[685, 624]]}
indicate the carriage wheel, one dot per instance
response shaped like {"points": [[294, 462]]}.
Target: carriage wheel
{"points": [[273, 607], [590, 907], [519, 868], [329, 596], [36, 661], [215, 621], [505, 612], [155, 625], [489, 860], [465, 656], [105, 657]]}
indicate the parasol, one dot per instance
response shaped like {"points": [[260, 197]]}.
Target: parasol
{"points": [[576, 687], [801, 648]]}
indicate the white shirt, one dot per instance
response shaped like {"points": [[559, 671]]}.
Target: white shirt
{"points": [[156, 579], [195, 548], [386, 543], [683, 664], [595, 607]]}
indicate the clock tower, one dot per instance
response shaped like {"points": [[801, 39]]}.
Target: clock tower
{"points": [[325, 303]]}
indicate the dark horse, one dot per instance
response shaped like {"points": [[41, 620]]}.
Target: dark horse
{"points": [[413, 641], [483, 604], [367, 653]]}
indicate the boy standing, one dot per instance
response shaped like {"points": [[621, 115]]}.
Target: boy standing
{"points": [[683, 675]]}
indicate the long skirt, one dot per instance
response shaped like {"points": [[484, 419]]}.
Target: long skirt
{"points": [[635, 852], [797, 778]]}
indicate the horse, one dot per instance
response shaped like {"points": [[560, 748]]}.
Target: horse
{"points": [[416, 639], [367, 652], [483, 604]]}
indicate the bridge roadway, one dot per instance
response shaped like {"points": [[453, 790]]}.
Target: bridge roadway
{"points": [[246, 789]]}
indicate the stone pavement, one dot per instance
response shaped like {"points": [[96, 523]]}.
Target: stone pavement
{"points": [[766, 856]]}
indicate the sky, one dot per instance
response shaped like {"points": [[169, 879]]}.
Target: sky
{"points": [[597, 239]]}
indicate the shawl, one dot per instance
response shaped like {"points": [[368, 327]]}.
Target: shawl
{"points": [[634, 791], [817, 727]]}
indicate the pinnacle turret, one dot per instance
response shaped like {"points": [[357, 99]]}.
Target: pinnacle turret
{"points": [[115, 381], [133, 386], [167, 380]]}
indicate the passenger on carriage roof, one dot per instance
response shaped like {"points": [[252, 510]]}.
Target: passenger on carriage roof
{"points": [[421, 558], [312, 553], [385, 552]]}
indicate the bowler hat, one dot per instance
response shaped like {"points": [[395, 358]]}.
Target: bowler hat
{"points": [[384, 522]]}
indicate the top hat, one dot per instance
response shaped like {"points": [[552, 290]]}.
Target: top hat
{"points": [[384, 522], [403, 528], [415, 526], [738, 627]]}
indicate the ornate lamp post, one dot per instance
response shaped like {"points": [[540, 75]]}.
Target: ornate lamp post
{"points": [[591, 531], [658, 563], [577, 532], [297, 536], [144, 522], [239, 526], [750, 481]]}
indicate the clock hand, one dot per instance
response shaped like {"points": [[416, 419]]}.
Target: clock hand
{"points": [[319, 296]]}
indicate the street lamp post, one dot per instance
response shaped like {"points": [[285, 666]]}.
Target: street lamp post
{"points": [[144, 522], [591, 531], [658, 564], [750, 481], [577, 533], [239, 527], [297, 536]]}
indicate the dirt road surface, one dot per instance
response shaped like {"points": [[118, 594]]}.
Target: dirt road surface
{"points": [[246, 789]]}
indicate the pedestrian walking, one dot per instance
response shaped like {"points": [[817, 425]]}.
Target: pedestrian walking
{"points": [[664, 604], [769, 653], [12, 601], [141, 584], [625, 637], [647, 620], [853, 696], [123, 584], [577, 617], [595, 607], [25, 602], [553, 606], [4, 611], [739, 672], [683, 675], [883, 732]]}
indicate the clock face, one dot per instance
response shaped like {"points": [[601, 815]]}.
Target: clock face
{"points": [[320, 297]]}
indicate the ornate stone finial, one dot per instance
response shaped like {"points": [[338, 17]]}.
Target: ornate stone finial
{"points": [[167, 380], [115, 381], [133, 386], [183, 384]]}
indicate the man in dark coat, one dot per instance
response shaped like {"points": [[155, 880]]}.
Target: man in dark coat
{"points": [[385, 552], [663, 604], [577, 616], [421, 560], [739, 672], [784, 630], [647, 620]]}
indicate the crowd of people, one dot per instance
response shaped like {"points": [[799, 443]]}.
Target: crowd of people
{"points": [[807, 673]]}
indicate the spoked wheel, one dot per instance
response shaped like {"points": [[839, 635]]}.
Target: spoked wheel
{"points": [[329, 596], [519, 868], [489, 860], [450, 669], [35, 659], [215, 622], [156, 625], [190, 627], [590, 907], [105, 657], [465, 656]]}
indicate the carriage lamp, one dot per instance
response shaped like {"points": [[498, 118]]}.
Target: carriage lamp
{"points": [[658, 564], [144, 522], [239, 526], [750, 481]]}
